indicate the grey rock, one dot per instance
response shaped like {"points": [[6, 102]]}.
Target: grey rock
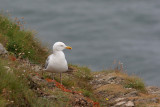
{"points": [[119, 99], [120, 103], [153, 90], [129, 104], [104, 79], [37, 82], [148, 100], [2, 50], [37, 68], [132, 94]]}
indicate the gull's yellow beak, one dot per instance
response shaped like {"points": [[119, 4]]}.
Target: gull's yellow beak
{"points": [[68, 47]]}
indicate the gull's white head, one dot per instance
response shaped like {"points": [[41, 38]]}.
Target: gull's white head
{"points": [[60, 46]]}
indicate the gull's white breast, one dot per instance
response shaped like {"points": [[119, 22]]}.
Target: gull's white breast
{"points": [[57, 63]]}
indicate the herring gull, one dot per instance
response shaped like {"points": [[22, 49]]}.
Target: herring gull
{"points": [[56, 62]]}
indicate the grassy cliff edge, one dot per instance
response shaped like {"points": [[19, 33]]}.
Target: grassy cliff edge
{"points": [[24, 84]]}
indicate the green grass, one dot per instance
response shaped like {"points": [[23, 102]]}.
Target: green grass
{"points": [[87, 93], [79, 80], [12, 88], [20, 42], [135, 82], [15, 90], [82, 72], [3, 102], [81, 77]]}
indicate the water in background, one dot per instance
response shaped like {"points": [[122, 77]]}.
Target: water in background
{"points": [[100, 31]]}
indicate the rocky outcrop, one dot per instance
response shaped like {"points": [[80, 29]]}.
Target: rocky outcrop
{"points": [[114, 94], [2, 50], [39, 85], [153, 90], [109, 87]]}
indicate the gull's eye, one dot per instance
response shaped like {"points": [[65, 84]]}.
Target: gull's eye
{"points": [[61, 45]]}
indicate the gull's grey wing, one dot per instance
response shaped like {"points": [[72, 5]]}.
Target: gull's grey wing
{"points": [[47, 62]]}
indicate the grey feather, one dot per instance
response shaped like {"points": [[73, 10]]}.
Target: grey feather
{"points": [[47, 62]]}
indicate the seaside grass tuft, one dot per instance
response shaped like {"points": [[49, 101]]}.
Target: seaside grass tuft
{"points": [[20, 42], [134, 82]]}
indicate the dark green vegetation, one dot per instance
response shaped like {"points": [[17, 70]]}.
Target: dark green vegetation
{"points": [[19, 41], [14, 90]]}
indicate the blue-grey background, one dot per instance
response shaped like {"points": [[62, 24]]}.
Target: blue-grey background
{"points": [[100, 31]]}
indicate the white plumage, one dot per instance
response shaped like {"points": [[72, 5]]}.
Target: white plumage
{"points": [[56, 62]]}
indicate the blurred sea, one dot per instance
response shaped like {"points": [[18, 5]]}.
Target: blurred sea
{"points": [[100, 31]]}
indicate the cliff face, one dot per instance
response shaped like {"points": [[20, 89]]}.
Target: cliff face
{"points": [[111, 88], [23, 82]]}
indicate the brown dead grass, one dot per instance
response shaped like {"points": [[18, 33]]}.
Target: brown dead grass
{"points": [[112, 89]]}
